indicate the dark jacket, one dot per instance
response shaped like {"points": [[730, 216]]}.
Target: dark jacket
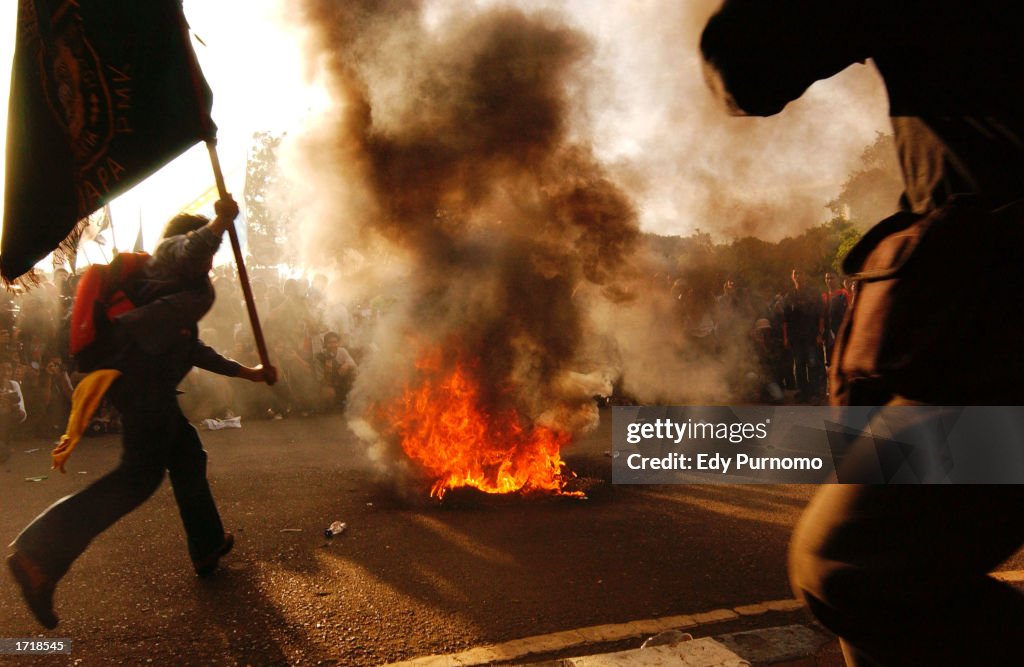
{"points": [[160, 336]]}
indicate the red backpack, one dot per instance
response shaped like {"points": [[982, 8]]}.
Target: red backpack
{"points": [[100, 297]]}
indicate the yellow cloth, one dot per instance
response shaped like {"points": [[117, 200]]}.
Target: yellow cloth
{"points": [[84, 402]]}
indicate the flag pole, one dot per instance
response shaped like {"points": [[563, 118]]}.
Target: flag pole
{"points": [[236, 247]]}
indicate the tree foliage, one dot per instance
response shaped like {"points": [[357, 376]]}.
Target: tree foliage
{"points": [[872, 191], [752, 262], [267, 226]]}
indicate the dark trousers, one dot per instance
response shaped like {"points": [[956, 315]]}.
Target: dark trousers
{"points": [[805, 366], [900, 572], [157, 437]]}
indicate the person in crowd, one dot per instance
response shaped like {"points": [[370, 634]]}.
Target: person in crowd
{"points": [[697, 308], [767, 351], [835, 300], [732, 315], [39, 321], [850, 286], [8, 343], [335, 372], [228, 310], [801, 313], [158, 345], [294, 392], [677, 288], [8, 310], [30, 375], [60, 281], [249, 400], [776, 316], [55, 397], [12, 409]]}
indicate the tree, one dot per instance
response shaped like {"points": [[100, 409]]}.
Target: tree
{"points": [[872, 191], [755, 263], [847, 240], [268, 227]]}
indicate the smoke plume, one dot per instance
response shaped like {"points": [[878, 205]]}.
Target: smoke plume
{"points": [[451, 150], [480, 165]]}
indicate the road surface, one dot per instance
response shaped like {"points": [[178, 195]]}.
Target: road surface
{"points": [[409, 577]]}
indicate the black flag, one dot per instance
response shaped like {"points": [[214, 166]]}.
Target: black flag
{"points": [[103, 93]]}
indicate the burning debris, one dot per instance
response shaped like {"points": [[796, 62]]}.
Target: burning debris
{"points": [[444, 424], [452, 147]]}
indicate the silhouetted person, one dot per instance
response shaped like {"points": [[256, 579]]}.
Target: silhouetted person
{"points": [[900, 573], [158, 346], [835, 300], [800, 335]]}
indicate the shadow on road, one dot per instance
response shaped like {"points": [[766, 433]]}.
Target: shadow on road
{"points": [[407, 578], [231, 605]]}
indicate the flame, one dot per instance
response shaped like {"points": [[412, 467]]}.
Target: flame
{"points": [[445, 428]]}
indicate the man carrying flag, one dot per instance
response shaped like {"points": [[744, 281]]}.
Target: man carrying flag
{"points": [[158, 346], [104, 93]]}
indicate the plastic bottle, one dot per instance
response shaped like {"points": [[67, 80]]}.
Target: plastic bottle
{"points": [[336, 528]]}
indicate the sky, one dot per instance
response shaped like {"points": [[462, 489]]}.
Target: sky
{"points": [[255, 70], [646, 112]]}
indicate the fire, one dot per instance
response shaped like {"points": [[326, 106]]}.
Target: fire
{"points": [[443, 426]]}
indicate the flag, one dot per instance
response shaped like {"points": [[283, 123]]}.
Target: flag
{"points": [[87, 229], [103, 93]]}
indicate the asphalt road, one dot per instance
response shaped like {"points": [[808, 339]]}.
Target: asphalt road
{"points": [[408, 578]]}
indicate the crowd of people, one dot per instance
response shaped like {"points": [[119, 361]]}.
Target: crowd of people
{"points": [[783, 340], [314, 340], [775, 341]]}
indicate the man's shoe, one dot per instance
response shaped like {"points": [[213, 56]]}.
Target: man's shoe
{"points": [[207, 566], [36, 588]]}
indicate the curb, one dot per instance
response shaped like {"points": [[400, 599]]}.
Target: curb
{"points": [[518, 649], [783, 646]]}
